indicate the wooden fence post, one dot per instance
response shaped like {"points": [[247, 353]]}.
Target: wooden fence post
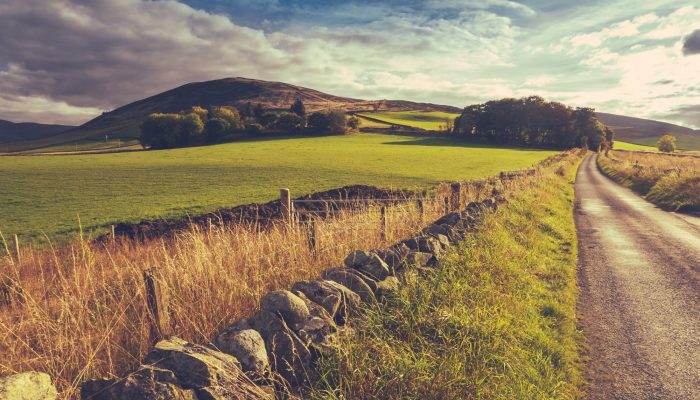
{"points": [[456, 196], [313, 235], [447, 205], [113, 234], [421, 211], [382, 222], [17, 253], [286, 201], [157, 306]]}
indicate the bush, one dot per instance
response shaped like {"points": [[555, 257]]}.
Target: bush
{"points": [[667, 144], [289, 121], [216, 129], [353, 123], [253, 127], [228, 114], [333, 122], [268, 119]]}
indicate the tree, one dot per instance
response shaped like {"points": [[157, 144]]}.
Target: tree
{"points": [[353, 123], [298, 108], [667, 143], [289, 121], [160, 131], [228, 114], [203, 113], [258, 112], [216, 129], [268, 119], [247, 111], [333, 122]]}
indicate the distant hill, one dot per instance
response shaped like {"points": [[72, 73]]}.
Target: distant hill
{"points": [[647, 131], [20, 131], [124, 121]]}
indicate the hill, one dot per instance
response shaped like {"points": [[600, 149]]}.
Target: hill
{"points": [[124, 121], [20, 131], [647, 131]]}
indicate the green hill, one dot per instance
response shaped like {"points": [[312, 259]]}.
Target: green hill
{"points": [[647, 131], [124, 122], [22, 131]]}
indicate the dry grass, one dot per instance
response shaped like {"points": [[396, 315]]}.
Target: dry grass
{"points": [[670, 181], [83, 314]]}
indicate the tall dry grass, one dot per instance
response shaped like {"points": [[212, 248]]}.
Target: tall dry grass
{"points": [[670, 181], [82, 312]]}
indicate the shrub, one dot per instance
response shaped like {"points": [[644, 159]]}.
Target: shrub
{"points": [[289, 121], [328, 121], [667, 144], [268, 119], [353, 123], [160, 131], [216, 129], [253, 127], [228, 114]]}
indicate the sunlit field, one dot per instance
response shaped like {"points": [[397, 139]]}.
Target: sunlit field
{"points": [[430, 120]]}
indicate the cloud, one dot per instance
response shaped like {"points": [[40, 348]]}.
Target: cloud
{"points": [[692, 43]]}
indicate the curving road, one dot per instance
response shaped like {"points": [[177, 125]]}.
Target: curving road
{"points": [[639, 306]]}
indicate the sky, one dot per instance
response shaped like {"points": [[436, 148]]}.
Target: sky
{"points": [[67, 61]]}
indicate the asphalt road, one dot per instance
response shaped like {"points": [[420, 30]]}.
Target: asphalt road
{"points": [[639, 306]]}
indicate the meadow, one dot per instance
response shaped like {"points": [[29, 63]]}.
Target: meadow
{"points": [[54, 195], [430, 120], [632, 147]]}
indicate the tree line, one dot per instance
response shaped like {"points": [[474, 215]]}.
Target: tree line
{"points": [[532, 121], [213, 124]]}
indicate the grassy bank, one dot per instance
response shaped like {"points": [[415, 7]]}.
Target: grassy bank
{"points": [[50, 194], [430, 120], [671, 182], [497, 321]]}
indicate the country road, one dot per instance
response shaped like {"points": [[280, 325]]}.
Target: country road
{"points": [[639, 306]]}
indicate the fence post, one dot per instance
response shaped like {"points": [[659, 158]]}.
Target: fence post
{"points": [[19, 256], [286, 200], [456, 196], [447, 205], [313, 235], [157, 305], [382, 222], [421, 211], [113, 234]]}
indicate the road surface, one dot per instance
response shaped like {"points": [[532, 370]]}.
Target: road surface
{"points": [[639, 306]]}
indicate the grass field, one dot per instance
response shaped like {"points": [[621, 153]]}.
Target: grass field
{"points": [[433, 120], [632, 147], [50, 194]]}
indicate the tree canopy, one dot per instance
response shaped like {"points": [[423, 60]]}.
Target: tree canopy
{"points": [[666, 143], [531, 121]]}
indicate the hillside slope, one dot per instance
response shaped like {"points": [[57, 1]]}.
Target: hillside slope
{"points": [[647, 132], [124, 121], [19, 131]]}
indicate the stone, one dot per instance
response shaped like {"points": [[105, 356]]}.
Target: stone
{"points": [[368, 263], [248, 346], [27, 386], [210, 373], [351, 303], [322, 293], [352, 281], [425, 244], [443, 240], [290, 357], [288, 305], [319, 329], [267, 324], [394, 256], [388, 288], [449, 219], [419, 259], [147, 382]]}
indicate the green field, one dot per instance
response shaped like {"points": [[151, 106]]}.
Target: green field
{"points": [[632, 146], [48, 194], [430, 120]]}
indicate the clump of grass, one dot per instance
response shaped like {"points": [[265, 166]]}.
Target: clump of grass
{"points": [[671, 182], [496, 320]]}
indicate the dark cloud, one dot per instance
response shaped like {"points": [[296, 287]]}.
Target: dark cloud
{"points": [[692, 43]]}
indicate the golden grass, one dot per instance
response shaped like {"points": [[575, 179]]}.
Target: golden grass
{"points": [[83, 313], [670, 181]]}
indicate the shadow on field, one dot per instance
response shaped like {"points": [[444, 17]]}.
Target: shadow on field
{"points": [[454, 142]]}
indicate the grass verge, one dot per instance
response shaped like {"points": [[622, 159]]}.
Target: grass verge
{"points": [[496, 321], [671, 182]]}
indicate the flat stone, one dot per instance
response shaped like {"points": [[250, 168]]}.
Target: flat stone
{"points": [[147, 382], [352, 281], [27, 386], [288, 305]]}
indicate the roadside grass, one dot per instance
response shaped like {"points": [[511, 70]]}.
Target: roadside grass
{"points": [[671, 182], [430, 120], [496, 321], [52, 194]]}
